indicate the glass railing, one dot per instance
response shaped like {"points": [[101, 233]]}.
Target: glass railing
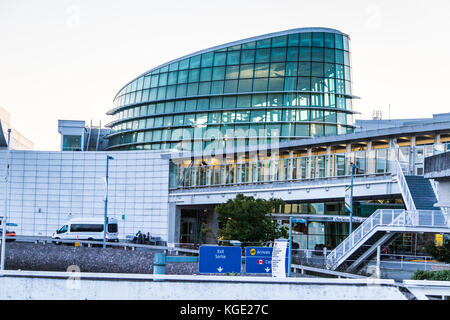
{"points": [[214, 172]]}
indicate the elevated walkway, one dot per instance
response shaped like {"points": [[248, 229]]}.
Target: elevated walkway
{"points": [[380, 229]]}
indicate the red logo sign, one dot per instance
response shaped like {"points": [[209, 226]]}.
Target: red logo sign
{"points": [[260, 261]]}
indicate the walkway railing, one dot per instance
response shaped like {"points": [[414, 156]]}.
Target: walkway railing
{"points": [[403, 185], [388, 218]]}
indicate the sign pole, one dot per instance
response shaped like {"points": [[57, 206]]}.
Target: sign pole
{"points": [[5, 213], [351, 201], [105, 222], [290, 246]]}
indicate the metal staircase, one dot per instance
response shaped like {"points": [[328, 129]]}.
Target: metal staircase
{"points": [[422, 192], [380, 229], [383, 226]]}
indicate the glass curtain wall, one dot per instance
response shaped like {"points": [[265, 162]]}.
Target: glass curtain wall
{"points": [[290, 86]]}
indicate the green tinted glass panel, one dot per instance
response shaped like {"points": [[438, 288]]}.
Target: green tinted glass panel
{"points": [[218, 73], [195, 62], [207, 59], [220, 58], [233, 57], [293, 39], [246, 71], [278, 54], [305, 39], [317, 39], [265, 43], [248, 56], [205, 74], [262, 55], [261, 70], [304, 54], [280, 41], [260, 84]]}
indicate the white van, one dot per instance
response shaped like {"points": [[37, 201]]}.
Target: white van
{"points": [[87, 229]]}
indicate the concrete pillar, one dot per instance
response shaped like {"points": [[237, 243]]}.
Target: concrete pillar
{"points": [[328, 163], [348, 159], [378, 270], [159, 264], [308, 163], [291, 165], [173, 223], [412, 156], [437, 138]]}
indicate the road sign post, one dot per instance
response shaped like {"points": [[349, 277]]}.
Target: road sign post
{"points": [[279, 258], [219, 259], [259, 260]]}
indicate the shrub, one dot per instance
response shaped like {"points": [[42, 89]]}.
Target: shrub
{"points": [[441, 254], [442, 275]]}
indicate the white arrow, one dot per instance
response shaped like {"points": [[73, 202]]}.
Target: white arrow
{"points": [[267, 269], [219, 269]]}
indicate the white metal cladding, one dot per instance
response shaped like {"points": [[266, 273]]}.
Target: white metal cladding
{"points": [[48, 188]]}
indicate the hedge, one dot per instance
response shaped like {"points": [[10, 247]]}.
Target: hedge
{"points": [[442, 275]]}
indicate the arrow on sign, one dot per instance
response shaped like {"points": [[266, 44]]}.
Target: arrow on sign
{"points": [[219, 269], [267, 269]]}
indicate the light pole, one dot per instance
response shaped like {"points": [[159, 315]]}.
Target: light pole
{"points": [[351, 198], [105, 223], [5, 213]]}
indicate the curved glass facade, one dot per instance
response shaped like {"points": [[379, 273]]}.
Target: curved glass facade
{"points": [[278, 87]]}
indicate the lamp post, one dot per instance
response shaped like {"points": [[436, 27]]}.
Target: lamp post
{"points": [[105, 223], [351, 198], [5, 213]]}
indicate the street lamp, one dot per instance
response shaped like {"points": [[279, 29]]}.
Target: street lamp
{"points": [[105, 223], [351, 197]]}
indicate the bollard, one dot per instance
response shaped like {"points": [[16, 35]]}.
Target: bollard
{"points": [[159, 264]]}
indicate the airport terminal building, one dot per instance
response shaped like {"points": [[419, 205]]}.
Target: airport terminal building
{"points": [[269, 117]]}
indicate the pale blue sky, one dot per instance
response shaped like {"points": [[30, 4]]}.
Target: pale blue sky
{"points": [[64, 59]]}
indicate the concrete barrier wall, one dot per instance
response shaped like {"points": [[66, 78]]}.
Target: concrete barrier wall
{"points": [[14, 287]]}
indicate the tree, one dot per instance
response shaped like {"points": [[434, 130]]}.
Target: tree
{"points": [[249, 220], [441, 254]]}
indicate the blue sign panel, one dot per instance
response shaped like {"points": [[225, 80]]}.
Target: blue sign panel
{"points": [[259, 260], [219, 259]]}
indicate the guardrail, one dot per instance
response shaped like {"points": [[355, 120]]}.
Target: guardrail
{"points": [[125, 245], [403, 185], [304, 269]]}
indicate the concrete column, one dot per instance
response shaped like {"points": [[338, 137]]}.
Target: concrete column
{"points": [[291, 166], [412, 155], [348, 150], [328, 162], [308, 163], [173, 227], [378, 270], [437, 138]]}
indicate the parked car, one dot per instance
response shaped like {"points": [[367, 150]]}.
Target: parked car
{"points": [[9, 235]]}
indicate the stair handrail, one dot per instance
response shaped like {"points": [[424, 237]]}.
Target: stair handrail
{"points": [[376, 219], [403, 185]]}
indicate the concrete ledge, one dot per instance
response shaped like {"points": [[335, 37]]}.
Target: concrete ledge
{"points": [[80, 286]]}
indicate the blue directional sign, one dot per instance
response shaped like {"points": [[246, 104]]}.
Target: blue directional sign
{"points": [[219, 259], [259, 260]]}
